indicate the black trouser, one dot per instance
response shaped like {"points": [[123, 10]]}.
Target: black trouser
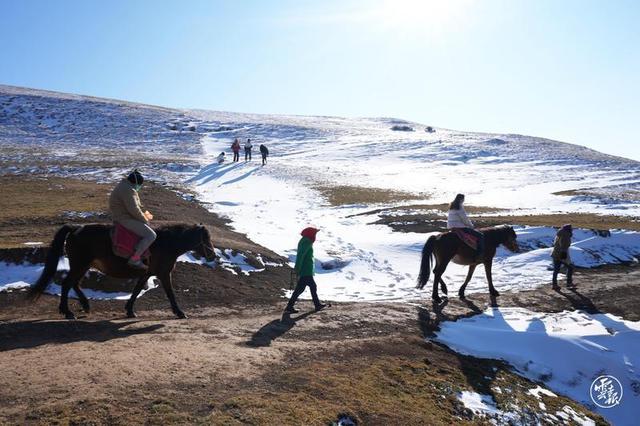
{"points": [[247, 154], [480, 236], [236, 156], [303, 282], [264, 158], [557, 264]]}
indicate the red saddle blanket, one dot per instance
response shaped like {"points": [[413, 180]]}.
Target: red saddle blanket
{"points": [[467, 238], [124, 241]]}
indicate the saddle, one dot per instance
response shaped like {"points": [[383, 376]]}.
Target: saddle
{"points": [[124, 242], [467, 238]]}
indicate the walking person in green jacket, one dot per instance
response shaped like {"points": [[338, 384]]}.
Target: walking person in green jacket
{"points": [[305, 269]]}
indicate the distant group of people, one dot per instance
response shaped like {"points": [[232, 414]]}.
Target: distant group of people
{"points": [[248, 148]]}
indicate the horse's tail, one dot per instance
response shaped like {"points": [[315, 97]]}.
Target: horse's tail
{"points": [[425, 265], [51, 264]]}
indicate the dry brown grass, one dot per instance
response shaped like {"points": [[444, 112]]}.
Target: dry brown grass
{"points": [[630, 195], [38, 198], [578, 220], [346, 195], [432, 218], [415, 388], [32, 208], [433, 209]]}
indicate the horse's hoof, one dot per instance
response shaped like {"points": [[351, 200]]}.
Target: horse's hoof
{"points": [[181, 315], [444, 290], [131, 314], [495, 293], [70, 316]]}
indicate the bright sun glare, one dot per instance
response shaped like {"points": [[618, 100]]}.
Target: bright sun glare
{"points": [[410, 16]]}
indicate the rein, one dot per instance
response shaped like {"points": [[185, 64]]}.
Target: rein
{"points": [[207, 245]]}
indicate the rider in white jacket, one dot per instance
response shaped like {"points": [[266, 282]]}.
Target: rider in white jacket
{"points": [[457, 218]]}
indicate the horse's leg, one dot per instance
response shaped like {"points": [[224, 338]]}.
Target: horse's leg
{"points": [[72, 278], [441, 266], [82, 298], [134, 295], [472, 268], [168, 288], [443, 287], [487, 269]]}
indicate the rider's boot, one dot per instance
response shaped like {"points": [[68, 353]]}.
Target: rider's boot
{"points": [[136, 262]]}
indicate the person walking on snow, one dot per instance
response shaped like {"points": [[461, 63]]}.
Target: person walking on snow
{"points": [[457, 219], [561, 255], [235, 147], [247, 150], [265, 153], [126, 209], [305, 268]]}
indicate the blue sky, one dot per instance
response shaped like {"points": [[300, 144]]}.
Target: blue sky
{"points": [[567, 70]]}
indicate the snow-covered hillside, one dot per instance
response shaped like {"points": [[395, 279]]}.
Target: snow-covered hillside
{"points": [[49, 132], [62, 134]]}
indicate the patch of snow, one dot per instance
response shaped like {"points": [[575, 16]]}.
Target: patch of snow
{"points": [[565, 350], [24, 275], [569, 414], [228, 260], [484, 406], [20, 276], [537, 391], [90, 293]]}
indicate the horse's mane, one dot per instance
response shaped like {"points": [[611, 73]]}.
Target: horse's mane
{"points": [[175, 228], [496, 233], [496, 228]]}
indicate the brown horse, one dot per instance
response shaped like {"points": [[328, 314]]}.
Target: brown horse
{"points": [[448, 247], [90, 246]]}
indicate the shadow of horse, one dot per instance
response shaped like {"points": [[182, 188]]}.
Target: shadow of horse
{"points": [[274, 329], [428, 325], [31, 334]]}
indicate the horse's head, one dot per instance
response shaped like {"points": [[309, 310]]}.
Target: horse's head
{"points": [[205, 247], [511, 239]]}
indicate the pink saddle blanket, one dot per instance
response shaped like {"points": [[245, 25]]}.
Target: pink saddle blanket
{"points": [[124, 241], [467, 238]]}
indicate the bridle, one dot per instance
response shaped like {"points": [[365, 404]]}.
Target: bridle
{"points": [[208, 248]]}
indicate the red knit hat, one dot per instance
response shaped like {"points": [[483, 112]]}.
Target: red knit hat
{"points": [[310, 233]]}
